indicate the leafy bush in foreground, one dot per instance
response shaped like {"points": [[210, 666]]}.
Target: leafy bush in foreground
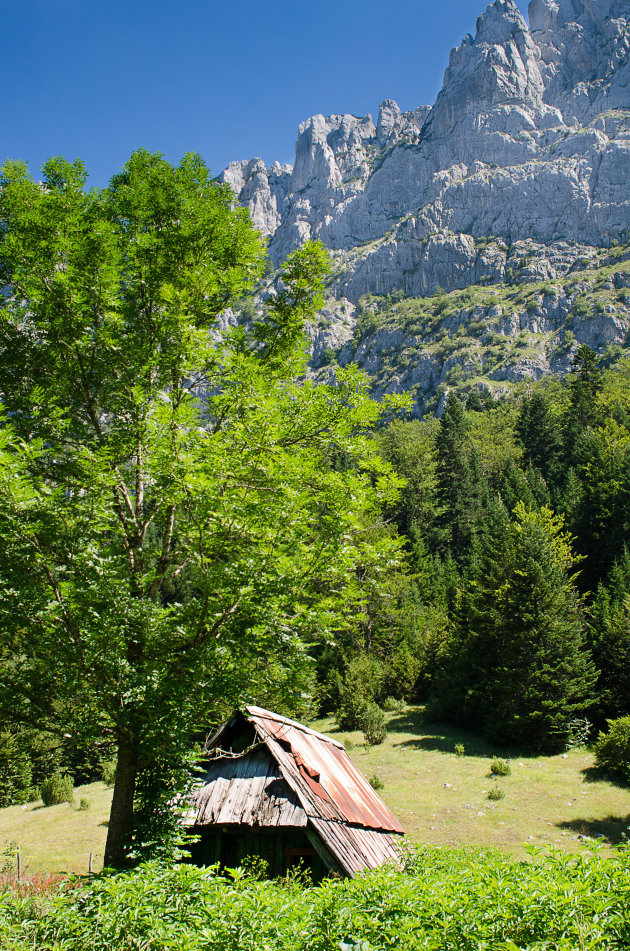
{"points": [[443, 900]]}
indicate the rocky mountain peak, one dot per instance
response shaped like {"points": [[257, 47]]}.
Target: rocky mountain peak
{"points": [[518, 173], [584, 48], [499, 65], [389, 120]]}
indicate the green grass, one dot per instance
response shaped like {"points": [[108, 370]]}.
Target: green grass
{"points": [[440, 798], [58, 839]]}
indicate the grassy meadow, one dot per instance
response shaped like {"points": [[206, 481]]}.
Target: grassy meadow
{"points": [[440, 798]]}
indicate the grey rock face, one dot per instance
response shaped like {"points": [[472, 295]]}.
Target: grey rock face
{"points": [[527, 145], [263, 190], [584, 47]]}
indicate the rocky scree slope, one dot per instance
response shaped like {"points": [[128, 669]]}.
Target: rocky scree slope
{"points": [[518, 174]]}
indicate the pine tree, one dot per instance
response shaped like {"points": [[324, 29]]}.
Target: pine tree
{"points": [[610, 638], [461, 484], [523, 670], [538, 431]]}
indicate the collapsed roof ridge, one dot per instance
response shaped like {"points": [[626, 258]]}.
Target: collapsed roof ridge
{"points": [[261, 712]]}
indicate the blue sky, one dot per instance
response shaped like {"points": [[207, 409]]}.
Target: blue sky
{"points": [[99, 78]]}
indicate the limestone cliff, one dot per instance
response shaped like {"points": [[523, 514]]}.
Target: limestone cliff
{"points": [[526, 147]]}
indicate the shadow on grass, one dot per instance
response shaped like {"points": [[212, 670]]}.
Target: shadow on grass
{"points": [[612, 830], [441, 737], [595, 774]]}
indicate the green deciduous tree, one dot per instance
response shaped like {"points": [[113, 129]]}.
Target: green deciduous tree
{"points": [[173, 535]]}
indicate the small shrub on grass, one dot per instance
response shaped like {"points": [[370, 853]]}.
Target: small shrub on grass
{"points": [[108, 772], [373, 725], [56, 789], [84, 804], [578, 732], [500, 767], [362, 684], [495, 794], [376, 782], [460, 749], [392, 705], [612, 749]]}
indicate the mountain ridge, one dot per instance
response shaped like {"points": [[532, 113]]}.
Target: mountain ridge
{"points": [[525, 154]]}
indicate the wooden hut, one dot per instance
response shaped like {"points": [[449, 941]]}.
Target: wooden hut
{"points": [[275, 789]]}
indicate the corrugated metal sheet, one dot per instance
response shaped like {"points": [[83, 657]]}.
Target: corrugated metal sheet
{"points": [[324, 777], [246, 790], [357, 849]]}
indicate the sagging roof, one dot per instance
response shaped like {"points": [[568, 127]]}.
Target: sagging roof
{"points": [[292, 776], [247, 790]]}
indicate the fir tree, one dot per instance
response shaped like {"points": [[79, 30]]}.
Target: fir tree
{"points": [[523, 670], [461, 484], [610, 636], [538, 432]]}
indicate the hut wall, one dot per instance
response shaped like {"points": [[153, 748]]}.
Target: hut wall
{"points": [[281, 849]]}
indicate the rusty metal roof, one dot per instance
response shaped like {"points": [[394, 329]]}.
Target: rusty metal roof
{"points": [[331, 796], [324, 777]]}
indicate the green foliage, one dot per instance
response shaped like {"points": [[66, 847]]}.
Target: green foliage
{"points": [[444, 899], [460, 749], [500, 767], [460, 482], [56, 789], [108, 772], [496, 794], [16, 774], [164, 556], [520, 667], [612, 749], [392, 705], [328, 357], [373, 725], [610, 640], [362, 684], [84, 804], [539, 432], [376, 782]]}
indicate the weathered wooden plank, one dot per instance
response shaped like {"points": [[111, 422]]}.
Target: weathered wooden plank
{"points": [[237, 792], [247, 790]]}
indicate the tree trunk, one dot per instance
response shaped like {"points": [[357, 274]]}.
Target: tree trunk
{"points": [[121, 814]]}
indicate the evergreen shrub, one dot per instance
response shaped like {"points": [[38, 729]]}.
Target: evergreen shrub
{"points": [[362, 686], [56, 789], [373, 725], [495, 794], [500, 767], [612, 749], [392, 705]]}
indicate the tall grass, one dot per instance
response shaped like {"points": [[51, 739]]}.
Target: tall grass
{"points": [[442, 900]]}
